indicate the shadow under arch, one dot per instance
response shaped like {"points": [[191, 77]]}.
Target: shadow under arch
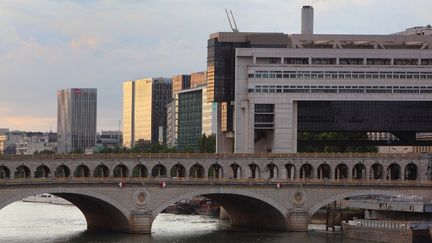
{"points": [[244, 208], [101, 212], [329, 200]]}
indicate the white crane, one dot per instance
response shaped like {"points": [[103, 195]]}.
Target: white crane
{"points": [[233, 24]]}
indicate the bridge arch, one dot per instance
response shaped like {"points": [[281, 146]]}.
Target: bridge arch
{"points": [[244, 207], [121, 171], [329, 200], [324, 171], [411, 171], [393, 171], [376, 171], [306, 171], [236, 170], [196, 171], [4, 172], [341, 171], [290, 171], [42, 171], [22, 171], [215, 171], [101, 171], [62, 171], [178, 170], [139, 171], [101, 211], [82, 171], [359, 171], [159, 170], [272, 171], [254, 171]]}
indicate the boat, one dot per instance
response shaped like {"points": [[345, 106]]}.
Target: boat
{"points": [[46, 198], [390, 231], [209, 207], [182, 207]]}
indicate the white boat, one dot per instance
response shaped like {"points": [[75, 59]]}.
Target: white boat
{"points": [[46, 198], [390, 231]]}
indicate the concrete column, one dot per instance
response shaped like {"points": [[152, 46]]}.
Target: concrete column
{"points": [[285, 132], [349, 172], [140, 222], [283, 173], [297, 220], [223, 214]]}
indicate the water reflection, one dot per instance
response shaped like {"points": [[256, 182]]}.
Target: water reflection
{"points": [[33, 222]]}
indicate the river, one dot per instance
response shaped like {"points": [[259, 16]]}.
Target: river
{"points": [[40, 222]]}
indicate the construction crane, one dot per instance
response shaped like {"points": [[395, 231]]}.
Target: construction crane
{"points": [[232, 24]]}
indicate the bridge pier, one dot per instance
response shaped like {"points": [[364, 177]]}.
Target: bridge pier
{"points": [[297, 220], [140, 222], [223, 214]]}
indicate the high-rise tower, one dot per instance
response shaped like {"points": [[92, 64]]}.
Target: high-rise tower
{"points": [[144, 110], [76, 119]]}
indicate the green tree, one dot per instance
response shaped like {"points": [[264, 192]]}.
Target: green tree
{"points": [[207, 144], [45, 151], [334, 136]]}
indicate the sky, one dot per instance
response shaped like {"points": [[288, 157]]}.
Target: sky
{"points": [[55, 44]]}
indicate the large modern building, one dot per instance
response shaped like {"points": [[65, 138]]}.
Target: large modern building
{"points": [[270, 86], [76, 119], [189, 112], [194, 117], [144, 110]]}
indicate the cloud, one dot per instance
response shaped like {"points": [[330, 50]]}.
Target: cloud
{"points": [[49, 45], [27, 123], [84, 42], [3, 110]]}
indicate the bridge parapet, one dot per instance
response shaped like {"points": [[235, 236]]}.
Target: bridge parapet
{"points": [[256, 166], [212, 155]]}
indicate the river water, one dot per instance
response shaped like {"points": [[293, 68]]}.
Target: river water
{"points": [[40, 222]]}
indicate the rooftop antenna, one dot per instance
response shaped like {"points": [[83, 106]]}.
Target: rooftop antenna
{"points": [[233, 28]]}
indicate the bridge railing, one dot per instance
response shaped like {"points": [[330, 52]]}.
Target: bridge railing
{"points": [[243, 181], [211, 155]]}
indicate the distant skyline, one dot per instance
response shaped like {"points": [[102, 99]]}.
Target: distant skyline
{"points": [[50, 45]]}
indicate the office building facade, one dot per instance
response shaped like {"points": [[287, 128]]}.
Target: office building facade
{"points": [[144, 110], [190, 114], [76, 119], [271, 86]]}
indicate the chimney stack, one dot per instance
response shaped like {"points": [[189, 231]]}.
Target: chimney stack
{"points": [[307, 17]]}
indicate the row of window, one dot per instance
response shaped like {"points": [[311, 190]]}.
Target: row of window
{"points": [[340, 75], [343, 61], [341, 89]]}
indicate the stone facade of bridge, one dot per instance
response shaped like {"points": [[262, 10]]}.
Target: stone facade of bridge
{"points": [[255, 202]]}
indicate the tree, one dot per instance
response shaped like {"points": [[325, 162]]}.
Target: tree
{"points": [[334, 136], [45, 151], [207, 144]]}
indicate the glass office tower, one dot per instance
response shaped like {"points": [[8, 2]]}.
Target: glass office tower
{"points": [[76, 119]]}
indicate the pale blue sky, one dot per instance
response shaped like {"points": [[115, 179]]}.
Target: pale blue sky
{"points": [[49, 45]]}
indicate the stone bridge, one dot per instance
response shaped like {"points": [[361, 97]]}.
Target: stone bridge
{"points": [[125, 192]]}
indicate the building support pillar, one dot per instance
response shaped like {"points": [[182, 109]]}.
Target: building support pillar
{"points": [[297, 220], [223, 214], [140, 222], [285, 131]]}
